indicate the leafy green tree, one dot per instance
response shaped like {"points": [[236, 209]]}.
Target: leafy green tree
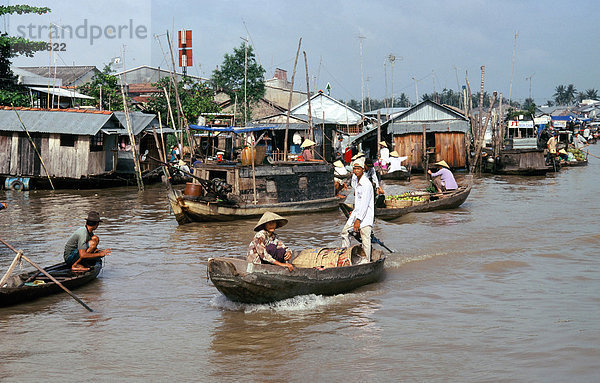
{"points": [[560, 95], [12, 93], [570, 93], [529, 105], [589, 94], [195, 98], [105, 86], [229, 78]]}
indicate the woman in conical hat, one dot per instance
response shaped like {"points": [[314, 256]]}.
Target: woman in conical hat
{"points": [[266, 247], [443, 179], [306, 153]]}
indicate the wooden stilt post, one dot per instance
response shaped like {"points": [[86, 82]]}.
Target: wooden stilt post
{"points": [[287, 123]]}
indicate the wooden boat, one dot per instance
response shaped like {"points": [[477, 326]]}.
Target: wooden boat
{"points": [[448, 200], [569, 164], [242, 192], [521, 162], [245, 282], [32, 285], [398, 175]]}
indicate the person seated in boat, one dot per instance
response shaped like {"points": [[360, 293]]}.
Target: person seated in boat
{"points": [[266, 247], [307, 150], [362, 216], [563, 155], [443, 179], [384, 155], [396, 162], [82, 246]]}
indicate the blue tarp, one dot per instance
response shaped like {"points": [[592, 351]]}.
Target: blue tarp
{"points": [[562, 118], [231, 129]]}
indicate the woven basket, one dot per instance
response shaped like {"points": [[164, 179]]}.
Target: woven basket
{"points": [[393, 203]]}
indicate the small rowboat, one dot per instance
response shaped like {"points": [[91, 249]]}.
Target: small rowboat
{"points": [[448, 200], [245, 282], [32, 285], [397, 175], [569, 164]]}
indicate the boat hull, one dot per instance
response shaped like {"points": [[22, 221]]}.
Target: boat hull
{"points": [[62, 272], [187, 211], [398, 175], [450, 201], [270, 283]]}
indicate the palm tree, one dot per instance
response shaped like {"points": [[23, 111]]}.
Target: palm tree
{"points": [[591, 94], [559, 95], [570, 93]]}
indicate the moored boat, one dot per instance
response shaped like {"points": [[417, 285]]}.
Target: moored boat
{"points": [[234, 191], [25, 287], [245, 282]]}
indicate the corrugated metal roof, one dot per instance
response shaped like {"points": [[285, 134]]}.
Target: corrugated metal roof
{"points": [[430, 126], [56, 121], [68, 74], [69, 93], [428, 111], [139, 120]]}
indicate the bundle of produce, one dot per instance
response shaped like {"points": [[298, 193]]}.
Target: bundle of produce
{"points": [[578, 154], [403, 200]]}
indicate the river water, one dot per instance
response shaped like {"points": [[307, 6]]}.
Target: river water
{"points": [[505, 288]]}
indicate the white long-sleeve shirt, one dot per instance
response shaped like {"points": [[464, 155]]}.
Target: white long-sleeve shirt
{"points": [[396, 164], [364, 207]]}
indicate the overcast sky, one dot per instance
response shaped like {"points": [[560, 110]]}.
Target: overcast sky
{"points": [[434, 42]]}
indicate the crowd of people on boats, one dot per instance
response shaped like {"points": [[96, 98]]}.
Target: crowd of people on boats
{"points": [[267, 248]]}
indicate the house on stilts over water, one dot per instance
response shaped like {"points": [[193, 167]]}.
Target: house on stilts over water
{"points": [[74, 148]]}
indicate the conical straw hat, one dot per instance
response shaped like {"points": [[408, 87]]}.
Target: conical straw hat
{"points": [[382, 143], [338, 164], [270, 217], [394, 154], [359, 162], [442, 163], [358, 155], [307, 143]]}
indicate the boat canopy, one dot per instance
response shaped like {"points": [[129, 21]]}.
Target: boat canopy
{"points": [[231, 129]]}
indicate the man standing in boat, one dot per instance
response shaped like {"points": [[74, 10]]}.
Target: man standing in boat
{"points": [[81, 246], [361, 218]]}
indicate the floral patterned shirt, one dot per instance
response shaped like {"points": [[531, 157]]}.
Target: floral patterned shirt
{"points": [[257, 250]]}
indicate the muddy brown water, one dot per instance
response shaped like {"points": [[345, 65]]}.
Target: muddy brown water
{"points": [[505, 288]]}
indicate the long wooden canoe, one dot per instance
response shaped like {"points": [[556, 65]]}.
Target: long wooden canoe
{"points": [[245, 282], [437, 202], [187, 209], [32, 285]]}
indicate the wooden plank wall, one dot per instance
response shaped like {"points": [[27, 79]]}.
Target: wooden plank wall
{"points": [[5, 149], [405, 144], [450, 147]]}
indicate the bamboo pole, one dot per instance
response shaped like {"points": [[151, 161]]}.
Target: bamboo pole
{"points": [[287, 123], [323, 131], [34, 147], [132, 141], [12, 266], [180, 114], [310, 121], [41, 270]]}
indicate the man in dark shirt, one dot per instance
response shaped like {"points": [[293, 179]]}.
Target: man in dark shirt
{"points": [[82, 245]]}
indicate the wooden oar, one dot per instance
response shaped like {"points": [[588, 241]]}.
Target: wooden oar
{"points": [[21, 255]]}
